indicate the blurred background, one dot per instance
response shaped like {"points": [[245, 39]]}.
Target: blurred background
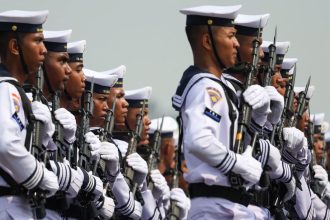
{"points": [[148, 37]]}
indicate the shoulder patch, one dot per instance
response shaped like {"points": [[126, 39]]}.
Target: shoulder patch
{"points": [[213, 115], [214, 94], [18, 121], [16, 100]]}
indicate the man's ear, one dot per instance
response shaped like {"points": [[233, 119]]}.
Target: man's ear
{"points": [[206, 42], [13, 46]]}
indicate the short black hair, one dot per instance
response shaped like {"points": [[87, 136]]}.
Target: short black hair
{"points": [[193, 34], [5, 37]]}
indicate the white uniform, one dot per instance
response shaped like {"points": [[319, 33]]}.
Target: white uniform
{"points": [[206, 143], [13, 154]]}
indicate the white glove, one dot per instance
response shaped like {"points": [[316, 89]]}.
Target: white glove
{"points": [[296, 146], [106, 207], [182, 201], [139, 165], [69, 179], [159, 182], [68, 121], [277, 104], [249, 168], [49, 183], [137, 211], [41, 112], [321, 176], [258, 99], [108, 152], [93, 140]]}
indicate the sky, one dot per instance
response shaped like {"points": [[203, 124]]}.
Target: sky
{"points": [[148, 37]]}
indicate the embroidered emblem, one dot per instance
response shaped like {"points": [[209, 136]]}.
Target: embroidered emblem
{"points": [[213, 115], [18, 121], [214, 94], [16, 99]]}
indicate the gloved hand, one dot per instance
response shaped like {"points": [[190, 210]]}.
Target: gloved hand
{"points": [[182, 201], [69, 179], [93, 140], [296, 147], [277, 104], [139, 165], [159, 182], [108, 152], [294, 140], [41, 112], [258, 99], [249, 168], [137, 211], [68, 121], [49, 183], [106, 207], [92, 184], [321, 176]]}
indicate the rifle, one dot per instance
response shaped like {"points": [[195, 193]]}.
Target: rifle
{"points": [[174, 211], [107, 132], [132, 145], [236, 180], [84, 152], [58, 134], [153, 159], [272, 62], [300, 107], [288, 111], [37, 197]]}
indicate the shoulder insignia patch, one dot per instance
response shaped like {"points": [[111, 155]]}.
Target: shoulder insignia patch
{"points": [[213, 115], [16, 100], [214, 94], [18, 121]]}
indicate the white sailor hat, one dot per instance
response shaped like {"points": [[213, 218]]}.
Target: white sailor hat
{"points": [[102, 82], [23, 21], [310, 91], [287, 67], [317, 120], [169, 126], [119, 72], [76, 50], [325, 127], [135, 98], [248, 25], [327, 137], [281, 50], [211, 15], [57, 41]]}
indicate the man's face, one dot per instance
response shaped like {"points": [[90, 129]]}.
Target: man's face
{"points": [[246, 48], [226, 44], [318, 146], [121, 107], [131, 120], [76, 83], [34, 51], [58, 69], [302, 123], [100, 109]]}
